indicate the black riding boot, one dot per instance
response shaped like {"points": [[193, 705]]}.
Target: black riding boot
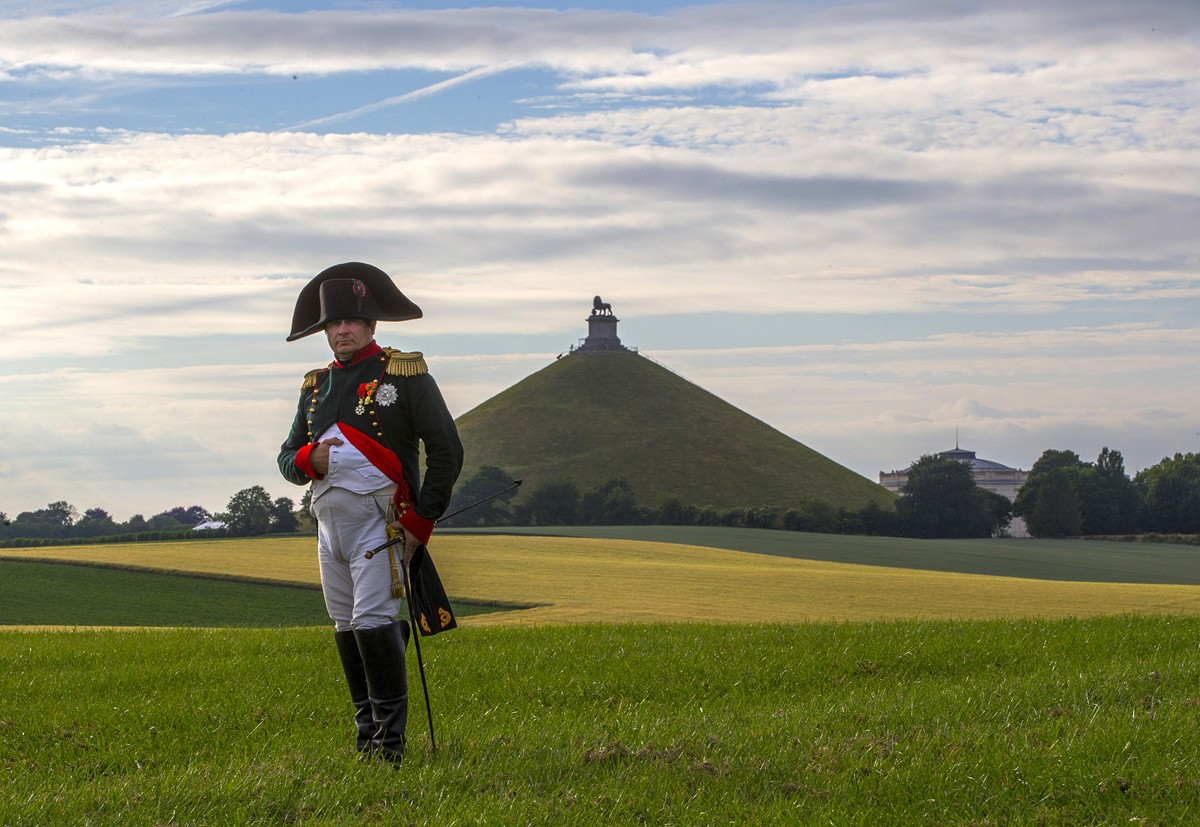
{"points": [[356, 679], [382, 650]]}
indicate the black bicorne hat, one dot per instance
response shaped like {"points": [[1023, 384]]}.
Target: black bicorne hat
{"points": [[349, 291]]}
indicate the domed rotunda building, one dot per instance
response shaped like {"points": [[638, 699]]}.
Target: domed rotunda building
{"points": [[989, 475]]}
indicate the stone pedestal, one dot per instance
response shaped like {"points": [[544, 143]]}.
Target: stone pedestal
{"points": [[602, 332]]}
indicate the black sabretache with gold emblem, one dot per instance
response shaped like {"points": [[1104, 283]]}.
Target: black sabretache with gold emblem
{"points": [[390, 397]]}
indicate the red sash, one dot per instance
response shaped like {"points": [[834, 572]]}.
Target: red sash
{"points": [[384, 459]]}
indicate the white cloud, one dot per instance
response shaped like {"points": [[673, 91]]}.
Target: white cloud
{"points": [[726, 45], [203, 224]]}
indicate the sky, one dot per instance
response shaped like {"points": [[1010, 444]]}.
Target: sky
{"points": [[879, 227]]}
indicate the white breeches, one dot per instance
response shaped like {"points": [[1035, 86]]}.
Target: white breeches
{"points": [[358, 591]]}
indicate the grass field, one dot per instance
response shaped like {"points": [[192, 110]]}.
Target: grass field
{"points": [[1065, 722], [35, 593], [653, 683], [1071, 560], [596, 580]]}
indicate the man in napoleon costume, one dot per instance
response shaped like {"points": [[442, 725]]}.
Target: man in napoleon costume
{"points": [[356, 438]]}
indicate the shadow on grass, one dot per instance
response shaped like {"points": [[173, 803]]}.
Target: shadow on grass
{"points": [[68, 593]]}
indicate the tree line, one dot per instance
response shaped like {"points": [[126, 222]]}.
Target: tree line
{"points": [[250, 511], [1063, 496], [561, 501]]}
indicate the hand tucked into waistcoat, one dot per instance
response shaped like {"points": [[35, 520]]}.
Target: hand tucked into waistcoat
{"points": [[319, 456]]}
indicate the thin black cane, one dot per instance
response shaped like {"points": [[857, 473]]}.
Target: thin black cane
{"points": [[416, 638], [399, 538]]}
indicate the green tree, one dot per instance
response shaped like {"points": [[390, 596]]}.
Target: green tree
{"points": [[1170, 494], [190, 517], [764, 516], [165, 521], [590, 510], [283, 516], [249, 512], [62, 513], [304, 518], [1108, 497], [674, 512], [134, 524], [997, 508], [554, 502], [940, 499], [1057, 511], [875, 520], [55, 520], [815, 516], [735, 517], [483, 483], [1052, 515], [611, 503], [95, 522]]}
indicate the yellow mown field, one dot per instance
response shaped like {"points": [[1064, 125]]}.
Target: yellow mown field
{"points": [[603, 581]]}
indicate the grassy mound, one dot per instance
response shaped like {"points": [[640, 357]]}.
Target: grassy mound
{"points": [[595, 417]]}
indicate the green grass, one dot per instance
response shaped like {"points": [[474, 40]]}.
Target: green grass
{"points": [[1092, 561], [986, 723], [34, 593]]}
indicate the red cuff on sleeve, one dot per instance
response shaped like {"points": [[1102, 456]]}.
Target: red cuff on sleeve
{"points": [[305, 464], [418, 525]]}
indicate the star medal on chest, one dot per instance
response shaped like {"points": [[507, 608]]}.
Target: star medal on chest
{"points": [[386, 395], [366, 395]]}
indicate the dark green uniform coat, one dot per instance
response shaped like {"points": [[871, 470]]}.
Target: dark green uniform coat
{"points": [[399, 411]]}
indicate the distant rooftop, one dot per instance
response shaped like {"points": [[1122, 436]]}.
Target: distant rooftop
{"points": [[990, 476], [994, 476], [977, 464]]}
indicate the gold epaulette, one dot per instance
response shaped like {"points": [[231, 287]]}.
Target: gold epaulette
{"points": [[405, 364], [310, 379]]}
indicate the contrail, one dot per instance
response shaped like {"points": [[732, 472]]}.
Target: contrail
{"points": [[416, 94]]}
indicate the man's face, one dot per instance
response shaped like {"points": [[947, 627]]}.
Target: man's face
{"points": [[348, 336]]}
